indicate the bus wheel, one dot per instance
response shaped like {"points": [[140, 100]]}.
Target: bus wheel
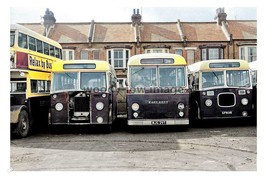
{"points": [[23, 126]]}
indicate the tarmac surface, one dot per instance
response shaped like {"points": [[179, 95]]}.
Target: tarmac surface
{"points": [[213, 146]]}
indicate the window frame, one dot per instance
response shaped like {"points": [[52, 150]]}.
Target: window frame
{"points": [[126, 53], [65, 56], [155, 50], [207, 52], [32, 43], [96, 54], [84, 54], [245, 50]]}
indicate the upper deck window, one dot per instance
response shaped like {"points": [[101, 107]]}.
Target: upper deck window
{"points": [[12, 38], [46, 48], [32, 43], [52, 50], [22, 41], [40, 46]]}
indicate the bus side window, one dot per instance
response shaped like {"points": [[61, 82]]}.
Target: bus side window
{"points": [[46, 49], [23, 41], [196, 81], [34, 87], [41, 86], [52, 50], [191, 81]]}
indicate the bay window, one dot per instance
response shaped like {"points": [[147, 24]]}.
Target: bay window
{"points": [[248, 53], [118, 58]]}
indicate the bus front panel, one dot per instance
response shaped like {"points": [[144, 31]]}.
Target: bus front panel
{"points": [[158, 109], [224, 103]]}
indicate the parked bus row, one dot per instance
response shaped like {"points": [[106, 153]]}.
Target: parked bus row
{"points": [[84, 92]]}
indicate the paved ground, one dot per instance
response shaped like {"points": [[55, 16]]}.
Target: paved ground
{"points": [[220, 146]]}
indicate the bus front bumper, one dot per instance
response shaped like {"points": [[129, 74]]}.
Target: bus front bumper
{"points": [[158, 122]]}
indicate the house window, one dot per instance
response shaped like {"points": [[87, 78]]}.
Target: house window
{"points": [[118, 58], [157, 50], [248, 53], [96, 54], [178, 51], [190, 56], [84, 54], [68, 54], [211, 53]]}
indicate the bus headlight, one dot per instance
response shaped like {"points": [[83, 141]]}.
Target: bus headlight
{"points": [[59, 106], [99, 106], [181, 106], [208, 102], [104, 95], [135, 106], [244, 101]]}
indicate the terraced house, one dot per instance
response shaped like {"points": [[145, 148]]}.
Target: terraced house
{"points": [[115, 42]]}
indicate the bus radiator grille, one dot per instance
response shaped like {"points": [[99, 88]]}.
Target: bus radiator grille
{"points": [[226, 99], [81, 104]]}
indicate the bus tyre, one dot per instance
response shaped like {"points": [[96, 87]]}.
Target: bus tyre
{"points": [[23, 126]]}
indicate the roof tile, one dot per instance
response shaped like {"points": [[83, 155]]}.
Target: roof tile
{"points": [[160, 32], [203, 31]]}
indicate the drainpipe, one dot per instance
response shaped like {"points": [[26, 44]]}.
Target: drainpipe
{"points": [[181, 32], [91, 33]]}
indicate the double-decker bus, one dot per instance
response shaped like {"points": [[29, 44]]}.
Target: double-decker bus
{"points": [[221, 89], [83, 92], [31, 58], [157, 92]]}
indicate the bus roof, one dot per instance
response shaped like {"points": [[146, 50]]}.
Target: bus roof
{"points": [[98, 65], [20, 28], [218, 64], [136, 59]]}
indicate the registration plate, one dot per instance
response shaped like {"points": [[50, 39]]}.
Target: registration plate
{"points": [[227, 112], [158, 122]]}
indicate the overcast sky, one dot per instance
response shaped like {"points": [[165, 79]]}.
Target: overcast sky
{"points": [[123, 14]]}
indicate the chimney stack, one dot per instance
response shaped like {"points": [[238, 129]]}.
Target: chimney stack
{"points": [[136, 18], [220, 16]]}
